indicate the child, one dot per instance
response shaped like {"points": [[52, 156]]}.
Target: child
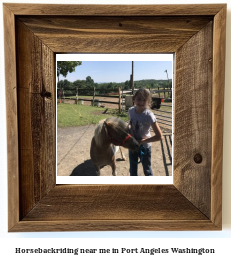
{"points": [[141, 120]]}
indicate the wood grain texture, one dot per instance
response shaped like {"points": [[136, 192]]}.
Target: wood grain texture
{"points": [[189, 204], [115, 34], [114, 10], [36, 92], [90, 208], [193, 126], [218, 114], [114, 225], [100, 203], [12, 114]]}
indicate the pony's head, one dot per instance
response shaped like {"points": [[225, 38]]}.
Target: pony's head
{"points": [[115, 130]]}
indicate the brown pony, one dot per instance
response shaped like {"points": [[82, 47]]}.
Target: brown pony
{"points": [[110, 134]]}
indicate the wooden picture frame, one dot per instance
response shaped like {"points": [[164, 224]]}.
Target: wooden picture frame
{"points": [[33, 34]]}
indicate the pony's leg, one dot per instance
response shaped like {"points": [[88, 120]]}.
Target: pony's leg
{"points": [[114, 172], [122, 155], [97, 170]]}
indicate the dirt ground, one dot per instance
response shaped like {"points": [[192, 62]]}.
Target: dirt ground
{"points": [[73, 155]]}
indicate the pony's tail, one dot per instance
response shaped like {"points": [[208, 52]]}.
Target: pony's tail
{"points": [[100, 134]]}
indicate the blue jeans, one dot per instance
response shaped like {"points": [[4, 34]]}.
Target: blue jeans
{"points": [[146, 162]]}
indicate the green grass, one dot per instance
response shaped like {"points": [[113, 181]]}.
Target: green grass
{"points": [[79, 115]]}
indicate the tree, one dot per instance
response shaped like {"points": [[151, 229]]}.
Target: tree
{"points": [[147, 86], [110, 85], [64, 68], [89, 82], [79, 84], [67, 86], [127, 85]]}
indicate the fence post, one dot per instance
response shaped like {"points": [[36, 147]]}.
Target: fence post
{"points": [[63, 95], [119, 99], [122, 100], [93, 100], [60, 95], [76, 95]]}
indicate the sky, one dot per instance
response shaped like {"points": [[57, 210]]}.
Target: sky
{"points": [[119, 71]]}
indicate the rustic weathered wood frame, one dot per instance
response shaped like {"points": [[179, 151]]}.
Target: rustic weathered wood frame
{"points": [[34, 34]]}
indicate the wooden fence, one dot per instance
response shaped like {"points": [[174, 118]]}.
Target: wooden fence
{"points": [[164, 114], [103, 93]]}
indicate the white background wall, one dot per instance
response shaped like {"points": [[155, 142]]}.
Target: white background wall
{"points": [[219, 240]]}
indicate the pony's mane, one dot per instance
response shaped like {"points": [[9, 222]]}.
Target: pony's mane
{"points": [[100, 134], [101, 130], [118, 124]]}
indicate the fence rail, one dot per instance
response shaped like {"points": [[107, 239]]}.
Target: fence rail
{"points": [[163, 115]]}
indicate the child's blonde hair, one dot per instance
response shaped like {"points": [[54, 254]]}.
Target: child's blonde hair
{"points": [[145, 93]]}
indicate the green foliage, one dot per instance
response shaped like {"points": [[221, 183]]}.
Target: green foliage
{"points": [[153, 84], [67, 86], [105, 88], [64, 68], [80, 84], [89, 82], [127, 85]]}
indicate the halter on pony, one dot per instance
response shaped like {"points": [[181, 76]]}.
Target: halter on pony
{"points": [[115, 141], [142, 150]]}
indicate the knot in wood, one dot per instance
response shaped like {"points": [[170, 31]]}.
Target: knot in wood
{"points": [[45, 94], [198, 158]]}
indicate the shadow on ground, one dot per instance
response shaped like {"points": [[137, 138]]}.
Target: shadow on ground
{"points": [[87, 169], [84, 169]]}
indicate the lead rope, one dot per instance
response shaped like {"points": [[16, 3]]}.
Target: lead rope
{"points": [[142, 152]]}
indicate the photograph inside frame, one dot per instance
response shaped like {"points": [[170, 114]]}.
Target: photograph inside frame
{"points": [[114, 119]]}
